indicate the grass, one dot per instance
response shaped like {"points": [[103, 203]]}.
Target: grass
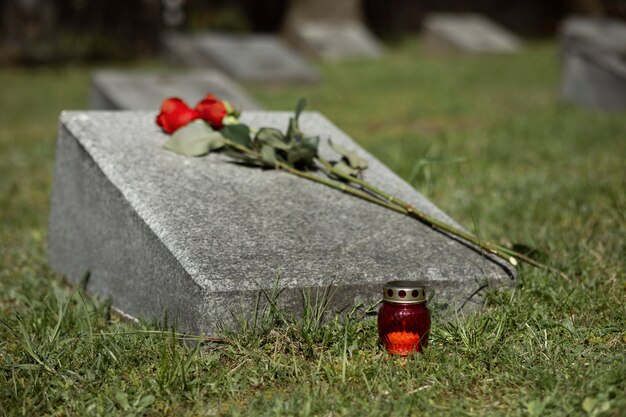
{"points": [[484, 137]]}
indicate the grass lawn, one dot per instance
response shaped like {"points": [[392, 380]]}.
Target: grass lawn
{"points": [[484, 137]]}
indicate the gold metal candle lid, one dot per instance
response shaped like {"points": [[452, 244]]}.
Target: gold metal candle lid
{"points": [[408, 292]]}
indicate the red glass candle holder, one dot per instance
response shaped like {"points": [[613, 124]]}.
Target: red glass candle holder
{"points": [[403, 319]]}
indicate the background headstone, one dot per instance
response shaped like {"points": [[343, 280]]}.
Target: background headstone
{"points": [[330, 29], [199, 237], [255, 58], [470, 33], [593, 53], [125, 90]]}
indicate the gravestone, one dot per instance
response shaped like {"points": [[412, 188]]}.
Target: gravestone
{"points": [[198, 238], [593, 53], [253, 58], [470, 33], [125, 90], [330, 29]]}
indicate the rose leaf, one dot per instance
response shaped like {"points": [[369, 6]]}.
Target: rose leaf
{"points": [[238, 133], [272, 137], [195, 139], [300, 106], [351, 158], [342, 170]]}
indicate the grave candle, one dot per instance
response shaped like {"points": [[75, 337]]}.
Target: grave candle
{"points": [[403, 319]]}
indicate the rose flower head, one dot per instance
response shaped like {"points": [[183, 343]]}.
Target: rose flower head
{"points": [[213, 110], [175, 114]]}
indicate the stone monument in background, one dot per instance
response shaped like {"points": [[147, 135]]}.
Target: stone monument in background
{"points": [[330, 29], [260, 58], [133, 90], [468, 33], [593, 54]]}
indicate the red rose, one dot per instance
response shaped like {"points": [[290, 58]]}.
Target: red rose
{"points": [[212, 110], [175, 114]]}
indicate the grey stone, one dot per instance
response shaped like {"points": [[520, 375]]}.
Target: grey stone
{"points": [[330, 29], [336, 41], [470, 33], [198, 238], [603, 33], [126, 90], [593, 53], [254, 58]]}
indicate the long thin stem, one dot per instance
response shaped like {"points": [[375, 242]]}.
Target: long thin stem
{"points": [[179, 336], [500, 251], [334, 184], [397, 205]]}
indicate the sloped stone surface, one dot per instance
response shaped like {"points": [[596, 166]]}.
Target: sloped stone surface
{"points": [[199, 237]]}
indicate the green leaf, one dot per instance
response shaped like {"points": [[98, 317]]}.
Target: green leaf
{"points": [[292, 129], [195, 139], [589, 404], [145, 401], [352, 158], [268, 155], [568, 324], [122, 400], [535, 408], [304, 151], [239, 133], [342, 170], [28, 366], [246, 159], [312, 142], [300, 106], [272, 137]]}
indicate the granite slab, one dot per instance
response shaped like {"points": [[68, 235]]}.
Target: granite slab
{"points": [[605, 34], [335, 41], [330, 30], [593, 56], [132, 90], [469, 33], [252, 58], [197, 239]]}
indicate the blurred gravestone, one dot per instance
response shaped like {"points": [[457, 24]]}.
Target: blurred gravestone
{"points": [[594, 62], [198, 238], [470, 33], [330, 29], [255, 58], [125, 90]]}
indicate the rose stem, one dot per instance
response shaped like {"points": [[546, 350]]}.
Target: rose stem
{"points": [[500, 251], [334, 184], [399, 206]]}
